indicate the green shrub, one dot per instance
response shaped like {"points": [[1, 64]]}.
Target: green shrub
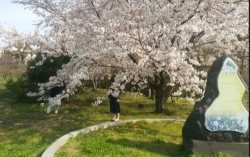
{"points": [[20, 87], [49, 68]]}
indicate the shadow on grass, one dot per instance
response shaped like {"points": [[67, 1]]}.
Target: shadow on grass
{"points": [[157, 147], [41, 153]]}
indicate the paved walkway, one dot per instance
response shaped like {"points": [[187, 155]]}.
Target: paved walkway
{"points": [[51, 150]]}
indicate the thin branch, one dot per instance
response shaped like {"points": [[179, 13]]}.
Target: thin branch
{"points": [[204, 43], [97, 13]]}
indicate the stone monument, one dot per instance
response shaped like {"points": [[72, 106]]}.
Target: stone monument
{"points": [[219, 122]]}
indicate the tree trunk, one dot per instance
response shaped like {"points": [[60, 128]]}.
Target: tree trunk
{"points": [[4, 76], [242, 66], [152, 93], [158, 100], [149, 92], [69, 98], [157, 85], [169, 91], [94, 87]]}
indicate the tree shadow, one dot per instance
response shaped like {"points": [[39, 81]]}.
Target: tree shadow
{"points": [[156, 147]]}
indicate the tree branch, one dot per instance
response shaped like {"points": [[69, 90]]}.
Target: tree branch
{"points": [[195, 38]]}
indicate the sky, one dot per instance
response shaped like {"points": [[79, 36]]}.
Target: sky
{"points": [[15, 15]]}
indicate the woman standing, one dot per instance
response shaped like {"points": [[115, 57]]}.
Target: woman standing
{"points": [[113, 95]]}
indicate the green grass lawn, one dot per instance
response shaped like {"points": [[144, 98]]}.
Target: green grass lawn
{"points": [[156, 139], [27, 130], [131, 139]]}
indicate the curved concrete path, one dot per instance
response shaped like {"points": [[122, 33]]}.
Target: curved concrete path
{"points": [[51, 150]]}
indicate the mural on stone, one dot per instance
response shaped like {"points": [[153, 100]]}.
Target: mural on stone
{"points": [[227, 113]]}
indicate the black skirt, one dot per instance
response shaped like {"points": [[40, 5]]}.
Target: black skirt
{"points": [[114, 105]]}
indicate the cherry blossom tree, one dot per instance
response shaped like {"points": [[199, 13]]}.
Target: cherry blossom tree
{"points": [[159, 43]]}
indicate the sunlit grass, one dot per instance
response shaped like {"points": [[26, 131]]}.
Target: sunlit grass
{"points": [[131, 139], [27, 130], [158, 139]]}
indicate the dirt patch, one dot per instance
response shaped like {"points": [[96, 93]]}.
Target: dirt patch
{"points": [[72, 150]]}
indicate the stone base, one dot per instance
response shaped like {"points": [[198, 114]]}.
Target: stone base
{"points": [[236, 149]]}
